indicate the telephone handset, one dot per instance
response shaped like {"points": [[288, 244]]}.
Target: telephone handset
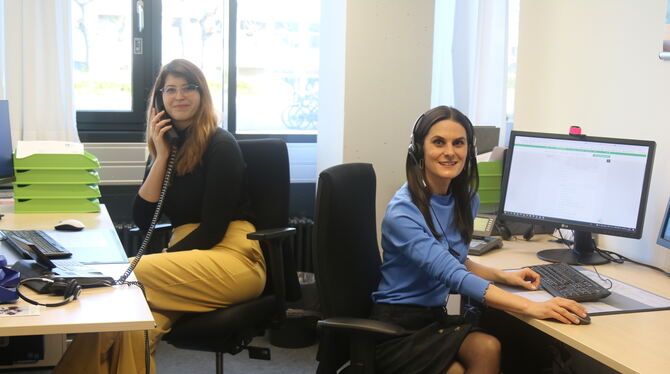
{"points": [[171, 135]]}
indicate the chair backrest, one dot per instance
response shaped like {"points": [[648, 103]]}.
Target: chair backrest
{"points": [[268, 186], [346, 254]]}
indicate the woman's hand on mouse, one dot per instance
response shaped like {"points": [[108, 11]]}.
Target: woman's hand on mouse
{"points": [[558, 308]]}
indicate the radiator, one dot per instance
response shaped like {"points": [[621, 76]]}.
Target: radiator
{"points": [[301, 243]]}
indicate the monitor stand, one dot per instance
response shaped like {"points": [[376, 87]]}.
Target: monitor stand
{"points": [[582, 253]]}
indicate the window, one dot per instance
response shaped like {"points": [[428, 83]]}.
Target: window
{"points": [[277, 59], [512, 47], [260, 57], [195, 30], [102, 77], [112, 68]]}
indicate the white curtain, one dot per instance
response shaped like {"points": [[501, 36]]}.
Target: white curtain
{"points": [[37, 63], [470, 58]]}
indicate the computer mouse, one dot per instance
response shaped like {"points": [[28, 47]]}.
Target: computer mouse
{"points": [[583, 320], [69, 225]]}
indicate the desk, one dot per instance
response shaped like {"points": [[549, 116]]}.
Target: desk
{"points": [[628, 343], [118, 308]]}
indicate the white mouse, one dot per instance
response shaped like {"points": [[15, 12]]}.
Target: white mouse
{"points": [[70, 225]]}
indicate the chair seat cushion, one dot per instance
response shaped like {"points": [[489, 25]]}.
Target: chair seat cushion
{"points": [[222, 329]]}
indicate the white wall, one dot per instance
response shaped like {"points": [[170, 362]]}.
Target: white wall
{"points": [[595, 64], [387, 51]]}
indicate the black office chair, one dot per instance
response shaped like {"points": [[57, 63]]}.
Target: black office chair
{"points": [[346, 263], [230, 330]]}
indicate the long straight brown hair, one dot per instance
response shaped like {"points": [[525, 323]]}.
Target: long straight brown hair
{"points": [[463, 187], [204, 121]]}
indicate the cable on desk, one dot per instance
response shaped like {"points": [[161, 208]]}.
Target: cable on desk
{"points": [[618, 258], [564, 241]]}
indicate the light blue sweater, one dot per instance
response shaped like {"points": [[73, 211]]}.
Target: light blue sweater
{"points": [[417, 268]]}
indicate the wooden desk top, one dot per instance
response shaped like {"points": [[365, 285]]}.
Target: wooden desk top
{"points": [[117, 308], [629, 342], [47, 221]]}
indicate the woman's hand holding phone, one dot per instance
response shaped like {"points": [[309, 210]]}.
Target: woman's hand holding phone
{"points": [[158, 126]]}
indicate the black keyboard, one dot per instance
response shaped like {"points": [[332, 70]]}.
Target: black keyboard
{"points": [[43, 242], [563, 280]]}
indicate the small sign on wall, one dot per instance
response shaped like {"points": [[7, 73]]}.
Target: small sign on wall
{"points": [[665, 53]]}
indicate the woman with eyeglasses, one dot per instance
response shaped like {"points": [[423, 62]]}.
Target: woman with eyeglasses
{"points": [[209, 263]]}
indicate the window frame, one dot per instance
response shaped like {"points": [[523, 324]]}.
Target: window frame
{"points": [[113, 126], [110, 126]]}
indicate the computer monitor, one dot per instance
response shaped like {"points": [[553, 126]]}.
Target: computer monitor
{"points": [[664, 233], [487, 138], [6, 163], [584, 183]]}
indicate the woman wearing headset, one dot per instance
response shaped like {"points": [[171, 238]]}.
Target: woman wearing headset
{"points": [[425, 235], [209, 263]]}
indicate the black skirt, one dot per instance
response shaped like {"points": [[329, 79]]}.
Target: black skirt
{"points": [[431, 348]]}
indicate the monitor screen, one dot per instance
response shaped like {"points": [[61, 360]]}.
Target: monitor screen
{"points": [[587, 184], [6, 164], [664, 234]]}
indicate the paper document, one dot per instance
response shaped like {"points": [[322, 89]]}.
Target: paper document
{"points": [[27, 148], [19, 310]]}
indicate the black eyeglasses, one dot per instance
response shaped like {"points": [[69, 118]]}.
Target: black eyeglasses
{"points": [[185, 90]]}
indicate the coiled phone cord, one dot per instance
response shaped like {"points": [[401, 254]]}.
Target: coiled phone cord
{"points": [[154, 220], [145, 242]]}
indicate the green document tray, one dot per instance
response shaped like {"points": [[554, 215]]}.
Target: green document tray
{"points": [[57, 161], [57, 176], [56, 205], [56, 191], [490, 176]]}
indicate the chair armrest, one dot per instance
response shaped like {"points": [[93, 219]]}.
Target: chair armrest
{"points": [[363, 325], [361, 335], [270, 234], [159, 239], [273, 240], [159, 227]]}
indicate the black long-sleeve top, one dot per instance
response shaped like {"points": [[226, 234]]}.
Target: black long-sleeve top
{"points": [[213, 194]]}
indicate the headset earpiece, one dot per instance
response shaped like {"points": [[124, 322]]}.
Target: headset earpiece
{"points": [[530, 232], [66, 288], [503, 230], [69, 289], [414, 150]]}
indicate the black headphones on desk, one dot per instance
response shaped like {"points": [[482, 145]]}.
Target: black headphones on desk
{"points": [[70, 289]]}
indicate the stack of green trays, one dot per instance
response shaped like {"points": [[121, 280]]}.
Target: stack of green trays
{"points": [[490, 175], [54, 183]]}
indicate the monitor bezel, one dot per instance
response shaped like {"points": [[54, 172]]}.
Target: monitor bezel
{"points": [[662, 240], [6, 131], [572, 225]]}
